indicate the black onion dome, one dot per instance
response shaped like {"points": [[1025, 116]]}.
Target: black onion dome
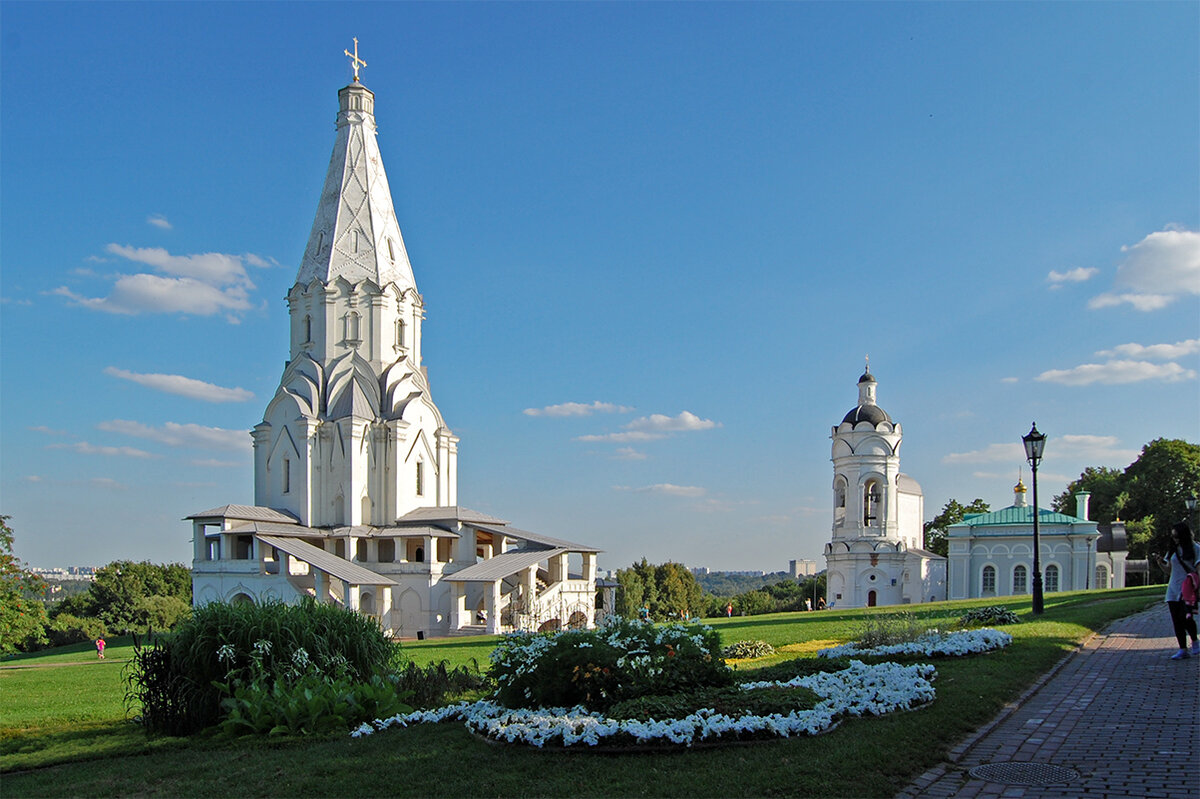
{"points": [[867, 377], [867, 413]]}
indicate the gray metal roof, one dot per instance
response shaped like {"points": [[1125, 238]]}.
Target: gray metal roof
{"points": [[327, 562], [448, 513], [250, 513], [272, 528], [502, 566], [535, 538]]}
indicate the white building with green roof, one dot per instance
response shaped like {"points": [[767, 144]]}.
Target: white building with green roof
{"points": [[991, 554]]}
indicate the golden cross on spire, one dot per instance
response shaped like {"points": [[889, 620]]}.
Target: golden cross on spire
{"points": [[355, 61]]}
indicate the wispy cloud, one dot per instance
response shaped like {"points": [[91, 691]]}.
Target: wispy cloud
{"points": [[183, 386], [667, 489], [629, 454], [182, 435], [49, 431], [1117, 373], [1079, 275], [1010, 380], [199, 285], [1070, 446], [107, 482], [577, 409], [84, 448], [1161, 352], [159, 221], [654, 427], [213, 463], [1156, 271]]}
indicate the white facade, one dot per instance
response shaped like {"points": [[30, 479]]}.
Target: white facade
{"points": [[355, 470], [875, 555], [991, 554]]}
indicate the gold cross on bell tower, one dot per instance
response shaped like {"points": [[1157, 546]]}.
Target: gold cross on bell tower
{"points": [[355, 61]]}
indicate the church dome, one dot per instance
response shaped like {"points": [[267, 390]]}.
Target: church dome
{"points": [[867, 377], [867, 413]]}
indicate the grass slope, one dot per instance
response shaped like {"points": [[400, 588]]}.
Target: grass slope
{"points": [[862, 757]]}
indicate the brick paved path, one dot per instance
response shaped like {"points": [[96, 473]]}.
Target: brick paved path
{"points": [[1119, 712]]}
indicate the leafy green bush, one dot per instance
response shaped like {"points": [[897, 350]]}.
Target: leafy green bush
{"points": [[890, 628], [175, 680], [596, 668], [729, 700], [432, 685], [70, 629], [990, 616], [748, 649]]}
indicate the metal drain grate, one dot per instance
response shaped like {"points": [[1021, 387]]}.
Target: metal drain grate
{"points": [[1024, 773]]}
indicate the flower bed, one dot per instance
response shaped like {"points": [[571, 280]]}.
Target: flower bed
{"points": [[858, 690], [931, 644]]}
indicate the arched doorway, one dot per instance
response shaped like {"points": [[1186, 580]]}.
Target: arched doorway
{"points": [[871, 599]]}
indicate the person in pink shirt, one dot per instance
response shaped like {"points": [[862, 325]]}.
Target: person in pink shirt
{"points": [[100, 648]]}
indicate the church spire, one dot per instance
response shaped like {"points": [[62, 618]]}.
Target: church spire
{"points": [[355, 234]]}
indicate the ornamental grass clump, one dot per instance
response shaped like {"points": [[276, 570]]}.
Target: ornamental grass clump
{"points": [[176, 682], [992, 615], [890, 629], [748, 649], [597, 668]]}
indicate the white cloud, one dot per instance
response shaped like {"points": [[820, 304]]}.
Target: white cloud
{"points": [[993, 454], [34, 478], [1117, 373], [1010, 380], [183, 386], [1162, 352], [1157, 270], [629, 454], [213, 463], [1073, 446], [182, 435], [661, 423], [668, 489], [1078, 275], [11, 301], [50, 431], [577, 409], [159, 221], [107, 482], [84, 448], [202, 284], [623, 438]]}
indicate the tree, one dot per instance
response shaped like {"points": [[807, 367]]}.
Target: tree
{"points": [[666, 591], [134, 597], [1159, 481], [952, 513], [22, 614], [1107, 487]]}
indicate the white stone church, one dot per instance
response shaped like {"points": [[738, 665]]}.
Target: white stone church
{"points": [[355, 470], [875, 555]]}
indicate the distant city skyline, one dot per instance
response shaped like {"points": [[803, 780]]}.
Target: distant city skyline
{"points": [[655, 242]]}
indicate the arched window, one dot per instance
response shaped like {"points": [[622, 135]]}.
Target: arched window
{"points": [[360, 550], [391, 251], [839, 503], [988, 587], [365, 506], [1020, 580], [1102, 577], [1051, 577], [420, 479], [355, 242], [350, 326], [287, 475], [366, 603], [871, 502], [400, 333], [307, 329], [320, 242]]}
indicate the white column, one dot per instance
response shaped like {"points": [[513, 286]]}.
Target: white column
{"points": [[493, 608], [458, 605]]}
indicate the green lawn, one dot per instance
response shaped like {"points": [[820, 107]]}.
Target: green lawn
{"points": [[862, 757]]}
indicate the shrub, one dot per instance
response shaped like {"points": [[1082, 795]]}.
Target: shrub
{"points": [[70, 629], [729, 700], [990, 616], [430, 686], [748, 649], [596, 668], [175, 679], [790, 669], [889, 629]]}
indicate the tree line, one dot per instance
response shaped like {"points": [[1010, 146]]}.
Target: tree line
{"points": [[125, 597]]}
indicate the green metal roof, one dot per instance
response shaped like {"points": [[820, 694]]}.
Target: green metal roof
{"points": [[1017, 515]]}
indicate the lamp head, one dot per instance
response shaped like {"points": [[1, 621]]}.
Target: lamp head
{"points": [[1035, 444]]}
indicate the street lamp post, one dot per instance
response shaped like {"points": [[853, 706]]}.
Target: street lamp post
{"points": [[1190, 502], [1035, 444]]}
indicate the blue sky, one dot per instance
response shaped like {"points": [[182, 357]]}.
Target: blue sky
{"points": [[655, 243]]}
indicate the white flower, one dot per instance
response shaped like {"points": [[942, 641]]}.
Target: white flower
{"points": [[955, 644]]}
